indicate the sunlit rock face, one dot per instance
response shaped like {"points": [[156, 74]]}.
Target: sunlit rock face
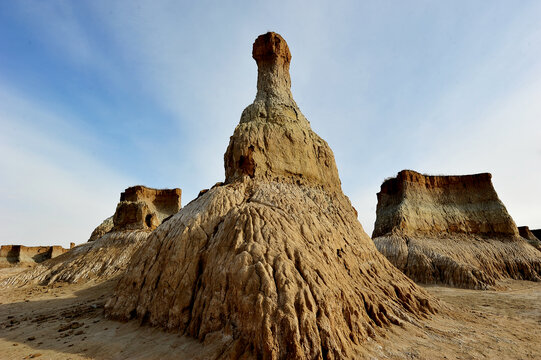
{"points": [[452, 230], [272, 264]]}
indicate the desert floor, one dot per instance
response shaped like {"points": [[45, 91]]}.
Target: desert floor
{"points": [[66, 322]]}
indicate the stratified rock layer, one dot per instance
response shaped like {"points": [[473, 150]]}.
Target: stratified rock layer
{"points": [[452, 230], [274, 263], [112, 243], [527, 234]]}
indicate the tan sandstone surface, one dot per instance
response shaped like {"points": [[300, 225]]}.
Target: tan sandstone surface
{"points": [[272, 264], [452, 230], [111, 245]]}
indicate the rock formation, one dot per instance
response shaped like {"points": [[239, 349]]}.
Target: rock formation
{"points": [[140, 208], [111, 244], [272, 264], [536, 233], [17, 254], [145, 208], [452, 230], [102, 229], [533, 240]]}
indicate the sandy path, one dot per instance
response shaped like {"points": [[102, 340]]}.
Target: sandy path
{"points": [[66, 322]]}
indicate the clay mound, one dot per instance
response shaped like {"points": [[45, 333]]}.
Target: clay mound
{"points": [[112, 243], [527, 234], [452, 230], [274, 264]]}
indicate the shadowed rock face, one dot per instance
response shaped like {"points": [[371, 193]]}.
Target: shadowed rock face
{"points": [[533, 240], [273, 264], [452, 230]]}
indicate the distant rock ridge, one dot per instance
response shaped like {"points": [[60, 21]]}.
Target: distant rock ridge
{"points": [[17, 254], [112, 243], [452, 230], [273, 263], [533, 240]]}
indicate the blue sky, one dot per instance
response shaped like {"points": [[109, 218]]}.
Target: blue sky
{"points": [[96, 96]]}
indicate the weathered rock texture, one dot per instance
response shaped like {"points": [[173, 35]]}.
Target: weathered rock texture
{"points": [[452, 230], [274, 263], [112, 243], [533, 240], [16, 254]]}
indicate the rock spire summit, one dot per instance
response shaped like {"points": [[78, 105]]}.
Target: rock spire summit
{"points": [[274, 141], [272, 55]]}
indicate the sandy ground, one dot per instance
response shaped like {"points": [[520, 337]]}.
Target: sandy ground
{"points": [[66, 322]]}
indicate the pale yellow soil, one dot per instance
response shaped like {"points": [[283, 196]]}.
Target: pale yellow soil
{"points": [[66, 322]]}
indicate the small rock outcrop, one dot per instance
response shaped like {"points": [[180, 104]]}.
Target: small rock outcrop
{"points": [[272, 264], [102, 229], [452, 230], [527, 234], [145, 208], [112, 243], [20, 254]]}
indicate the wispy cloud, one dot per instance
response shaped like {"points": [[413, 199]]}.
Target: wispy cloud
{"points": [[53, 190]]}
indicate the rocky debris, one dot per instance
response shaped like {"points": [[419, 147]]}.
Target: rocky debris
{"points": [[272, 264], [102, 229], [17, 254], [527, 234], [452, 230], [112, 243]]}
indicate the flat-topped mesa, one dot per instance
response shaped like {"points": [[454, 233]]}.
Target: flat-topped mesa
{"points": [[273, 140], [414, 203], [452, 230]]}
